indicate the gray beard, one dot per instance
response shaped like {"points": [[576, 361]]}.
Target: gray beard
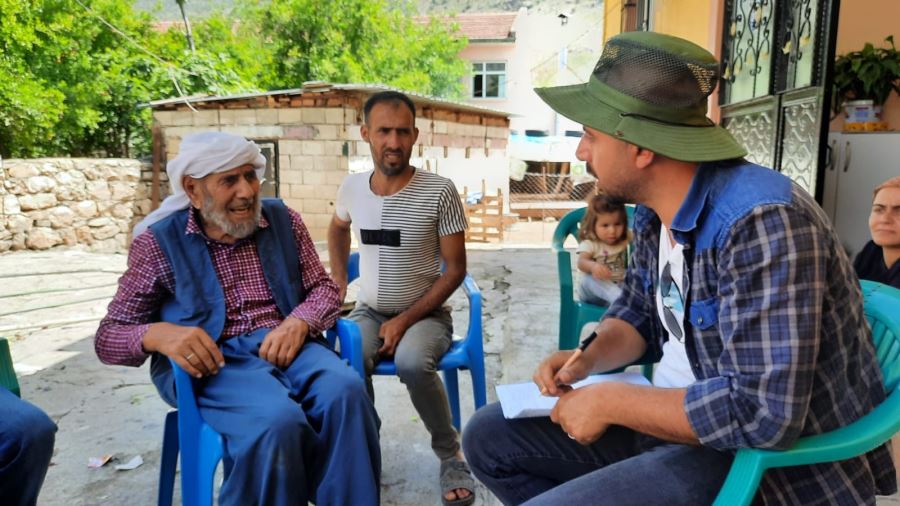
{"points": [[220, 219]]}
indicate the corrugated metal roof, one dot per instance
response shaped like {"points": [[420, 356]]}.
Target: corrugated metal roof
{"points": [[319, 87]]}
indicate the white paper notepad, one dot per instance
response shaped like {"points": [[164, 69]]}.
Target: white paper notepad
{"points": [[524, 400]]}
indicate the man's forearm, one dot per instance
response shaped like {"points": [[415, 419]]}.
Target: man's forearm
{"points": [[338, 252], [617, 344], [658, 412], [453, 253], [439, 292]]}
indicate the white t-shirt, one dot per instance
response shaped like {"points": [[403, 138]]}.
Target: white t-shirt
{"points": [[399, 235], [613, 256], [674, 369]]}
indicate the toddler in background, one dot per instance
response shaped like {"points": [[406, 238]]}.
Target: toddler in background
{"points": [[602, 252]]}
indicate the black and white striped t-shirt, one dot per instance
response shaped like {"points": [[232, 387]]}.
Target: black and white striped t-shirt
{"points": [[399, 236]]}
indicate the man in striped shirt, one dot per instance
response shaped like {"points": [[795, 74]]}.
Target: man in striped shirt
{"points": [[738, 286], [230, 288], [406, 220]]}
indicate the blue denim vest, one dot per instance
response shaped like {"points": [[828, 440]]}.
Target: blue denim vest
{"points": [[721, 194], [199, 300]]}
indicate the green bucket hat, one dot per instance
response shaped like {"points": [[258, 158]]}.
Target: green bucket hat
{"points": [[651, 90]]}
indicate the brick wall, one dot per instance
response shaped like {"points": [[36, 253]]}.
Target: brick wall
{"points": [[319, 141]]}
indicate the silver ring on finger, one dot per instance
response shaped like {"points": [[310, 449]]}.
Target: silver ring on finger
{"points": [[189, 357], [570, 436]]}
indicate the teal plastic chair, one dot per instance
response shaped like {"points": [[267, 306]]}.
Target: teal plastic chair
{"points": [[200, 445], [7, 373], [882, 308], [573, 314], [464, 353]]}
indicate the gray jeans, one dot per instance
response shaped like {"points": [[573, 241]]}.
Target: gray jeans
{"points": [[416, 357]]}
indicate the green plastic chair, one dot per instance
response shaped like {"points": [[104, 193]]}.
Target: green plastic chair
{"points": [[7, 373], [573, 314], [882, 308]]}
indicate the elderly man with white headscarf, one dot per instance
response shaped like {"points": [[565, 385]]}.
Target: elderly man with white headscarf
{"points": [[229, 286]]}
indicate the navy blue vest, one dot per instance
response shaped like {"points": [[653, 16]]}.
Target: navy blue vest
{"points": [[199, 300]]}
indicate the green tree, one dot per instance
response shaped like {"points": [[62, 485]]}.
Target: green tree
{"points": [[28, 110], [62, 70], [230, 58], [72, 85], [358, 41], [75, 74]]}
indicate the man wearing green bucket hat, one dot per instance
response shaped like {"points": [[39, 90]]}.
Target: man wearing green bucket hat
{"points": [[738, 287]]}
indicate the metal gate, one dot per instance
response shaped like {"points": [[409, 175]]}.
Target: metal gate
{"points": [[776, 72]]}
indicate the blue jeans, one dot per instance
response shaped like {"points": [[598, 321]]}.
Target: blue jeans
{"points": [[26, 445], [533, 461], [306, 432]]}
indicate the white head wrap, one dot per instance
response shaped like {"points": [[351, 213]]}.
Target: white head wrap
{"points": [[200, 155]]}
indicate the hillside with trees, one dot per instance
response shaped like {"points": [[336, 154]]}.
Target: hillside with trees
{"points": [[76, 75]]}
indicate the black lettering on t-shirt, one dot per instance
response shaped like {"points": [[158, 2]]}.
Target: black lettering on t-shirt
{"points": [[380, 237]]}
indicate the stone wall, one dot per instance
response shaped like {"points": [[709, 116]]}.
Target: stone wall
{"points": [[88, 204]]}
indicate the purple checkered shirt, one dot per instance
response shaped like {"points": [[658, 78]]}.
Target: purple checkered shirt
{"points": [[249, 304]]}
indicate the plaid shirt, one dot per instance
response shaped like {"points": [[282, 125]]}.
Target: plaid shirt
{"points": [[249, 304], [775, 332]]}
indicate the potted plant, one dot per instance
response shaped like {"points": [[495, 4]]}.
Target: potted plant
{"points": [[863, 81]]}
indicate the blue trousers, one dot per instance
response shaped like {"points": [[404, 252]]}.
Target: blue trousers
{"points": [[303, 433], [533, 461], [26, 445]]}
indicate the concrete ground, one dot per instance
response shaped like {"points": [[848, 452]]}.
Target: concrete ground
{"points": [[52, 302]]}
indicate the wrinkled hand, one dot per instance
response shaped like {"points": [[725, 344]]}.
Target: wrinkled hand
{"points": [[281, 345], [553, 380], [578, 413], [190, 347], [601, 272], [392, 332]]}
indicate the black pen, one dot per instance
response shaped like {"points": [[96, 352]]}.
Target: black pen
{"points": [[578, 351]]}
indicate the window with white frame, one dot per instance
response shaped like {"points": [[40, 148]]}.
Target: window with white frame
{"points": [[489, 80]]}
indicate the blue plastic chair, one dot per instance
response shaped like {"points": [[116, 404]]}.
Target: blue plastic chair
{"points": [[200, 445], [573, 314], [882, 308], [464, 353]]}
